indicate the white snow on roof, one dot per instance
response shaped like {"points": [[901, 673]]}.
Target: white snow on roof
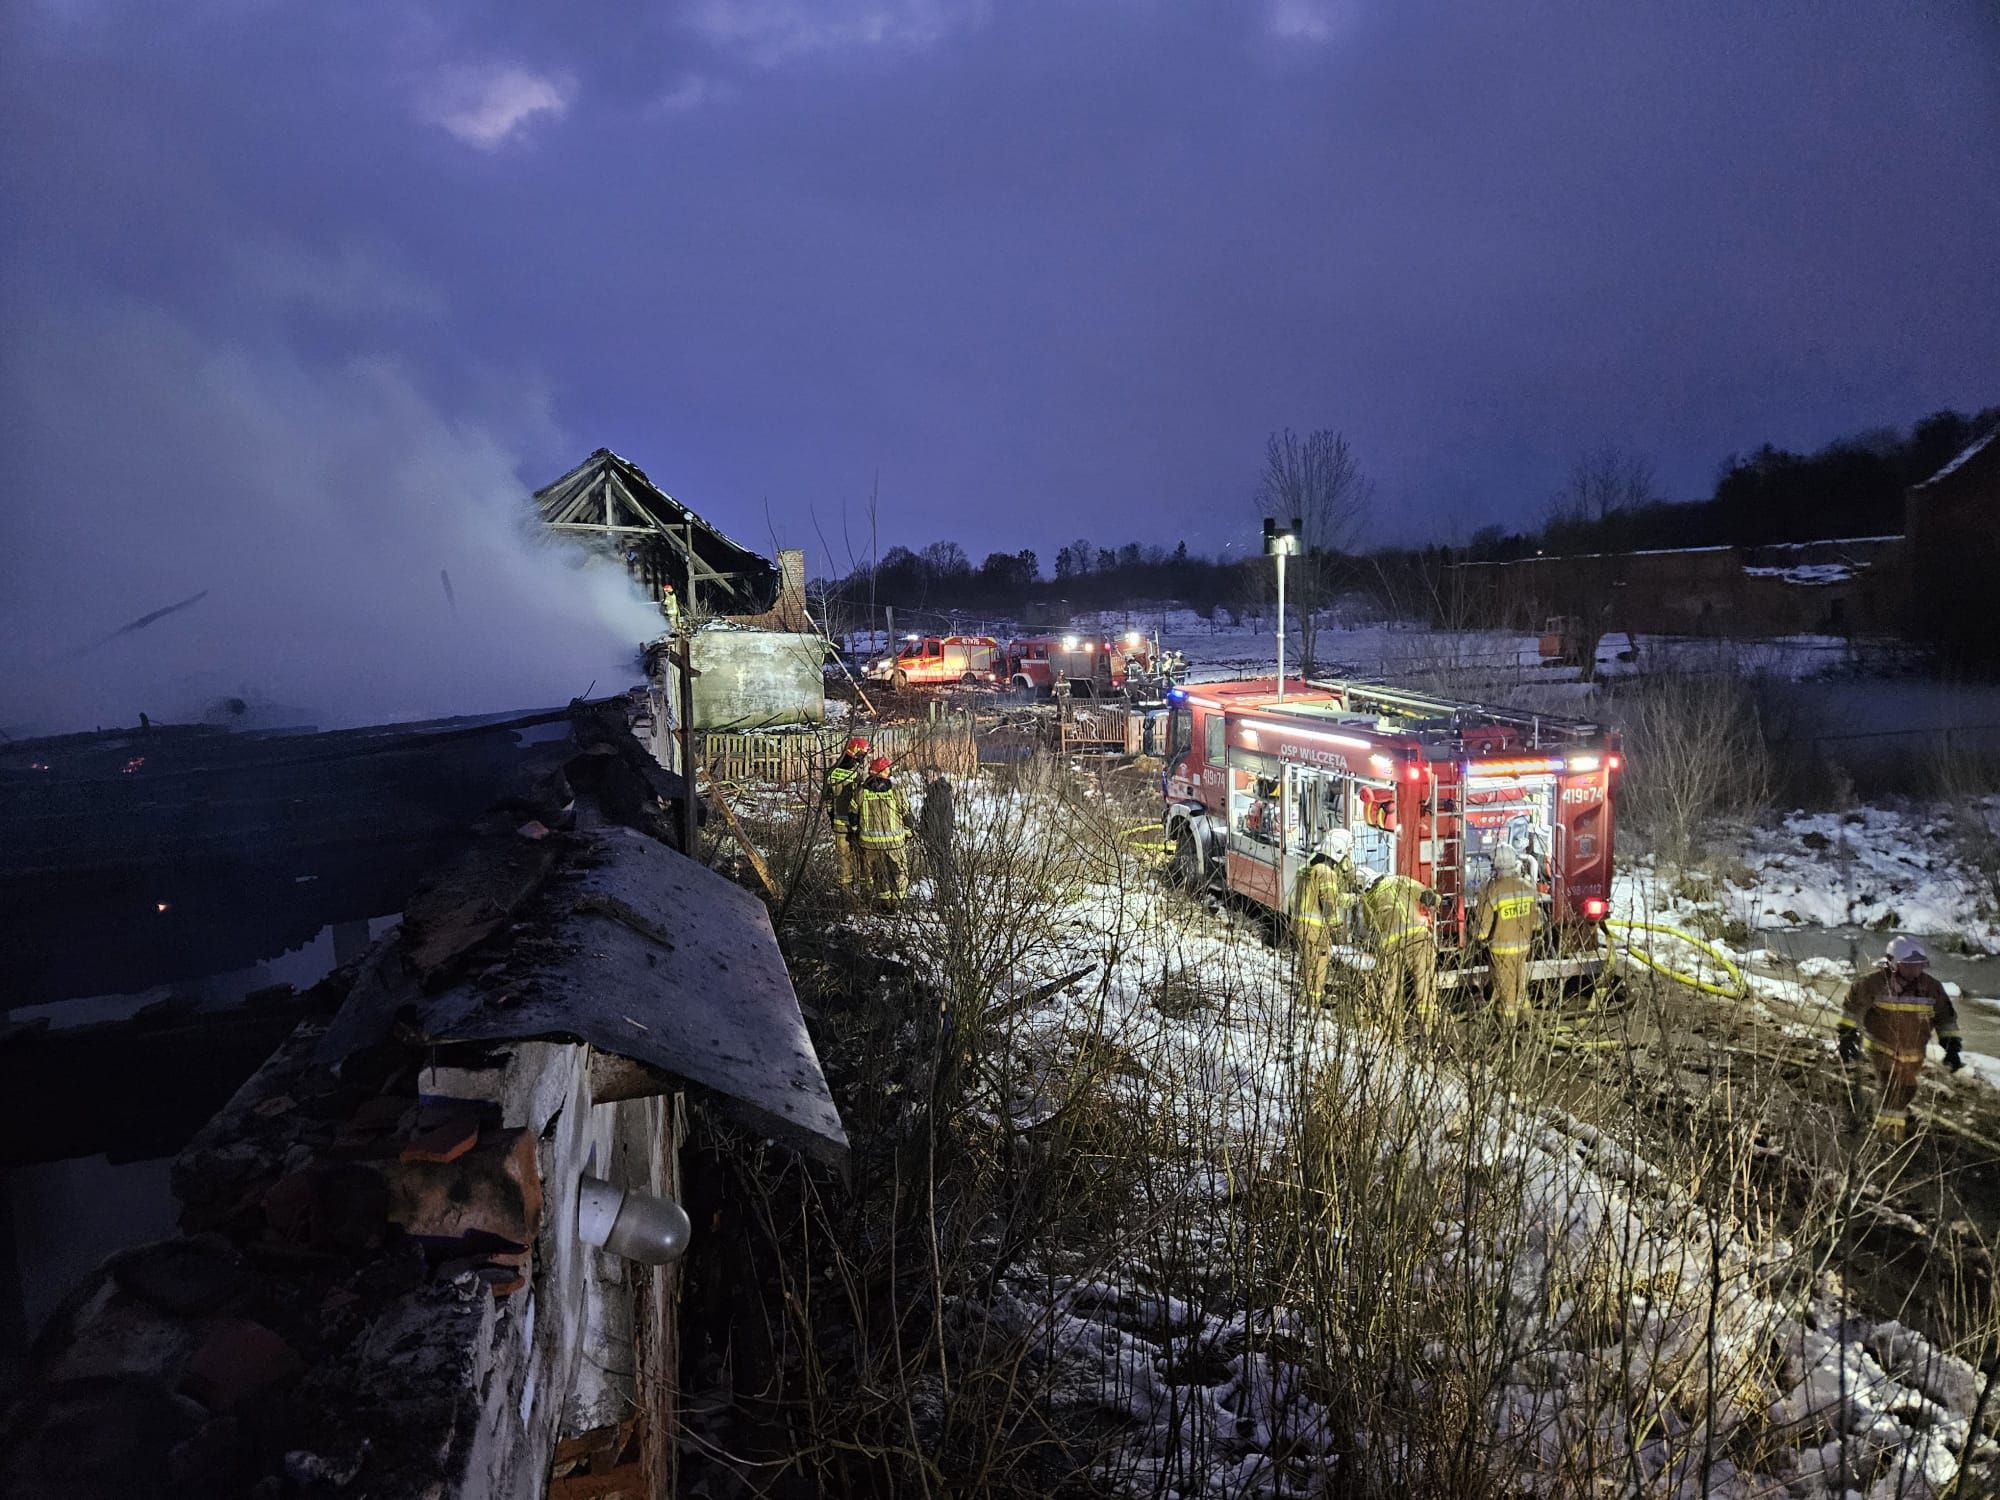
{"points": [[1808, 573], [1832, 541], [1961, 460]]}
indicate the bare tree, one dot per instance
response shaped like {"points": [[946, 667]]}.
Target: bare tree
{"points": [[1317, 479], [1602, 483]]}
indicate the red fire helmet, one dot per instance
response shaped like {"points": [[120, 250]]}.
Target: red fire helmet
{"points": [[879, 766], [856, 745]]}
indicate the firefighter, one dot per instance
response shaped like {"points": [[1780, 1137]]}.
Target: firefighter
{"points": [[883, 815], [1397, 910], [1321, 899], [1505, 922], [670, 606], [1891, 1014], [843, 779]]}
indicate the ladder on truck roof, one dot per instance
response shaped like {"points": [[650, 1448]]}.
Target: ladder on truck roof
{"points": [[1558, 727], [1448, 860]]}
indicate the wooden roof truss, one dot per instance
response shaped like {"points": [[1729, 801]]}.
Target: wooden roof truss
{"points": [[609, 500]]}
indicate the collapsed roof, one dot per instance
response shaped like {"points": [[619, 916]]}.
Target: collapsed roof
{"points": [[609, 502]]}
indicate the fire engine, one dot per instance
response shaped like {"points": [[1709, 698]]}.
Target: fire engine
{"points": [[932, 659], [1428, 787], [1093, 666]]}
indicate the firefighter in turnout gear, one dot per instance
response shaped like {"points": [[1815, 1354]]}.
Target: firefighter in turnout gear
{"points": [[883, 814], [843, 780], [1505, 922], [1891, 1014], [1397, 909], [1321, 899]]}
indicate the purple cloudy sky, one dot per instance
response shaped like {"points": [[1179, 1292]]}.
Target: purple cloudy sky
{"points": [[1051, 266]]}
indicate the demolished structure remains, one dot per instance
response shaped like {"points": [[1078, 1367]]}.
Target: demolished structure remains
{"points": [[389, 1278]]}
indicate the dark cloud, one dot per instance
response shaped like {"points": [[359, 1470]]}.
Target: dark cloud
{"points": [[1060, 266]]}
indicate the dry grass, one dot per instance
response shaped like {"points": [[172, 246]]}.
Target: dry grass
{"points": [[1168, 1231]]}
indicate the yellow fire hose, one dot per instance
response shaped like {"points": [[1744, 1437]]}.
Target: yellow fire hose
{"points": [[1738, 987], [1156, 843]]}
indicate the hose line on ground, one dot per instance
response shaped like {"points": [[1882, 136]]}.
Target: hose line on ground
{"points": [[1738, 987]]}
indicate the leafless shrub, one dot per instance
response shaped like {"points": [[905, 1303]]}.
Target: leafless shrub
{"points": [[1169, 1230], [1965, 778], [1696, 760]]}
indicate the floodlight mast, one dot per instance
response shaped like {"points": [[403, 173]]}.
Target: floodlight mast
{"points": [[1281, 544]]}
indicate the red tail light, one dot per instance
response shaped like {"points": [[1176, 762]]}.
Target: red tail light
{"points": [[1614, 761], [1594, 908], [1416, 773]]}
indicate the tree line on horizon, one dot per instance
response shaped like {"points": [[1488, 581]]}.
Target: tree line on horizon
{"points": [[1853, 486]]}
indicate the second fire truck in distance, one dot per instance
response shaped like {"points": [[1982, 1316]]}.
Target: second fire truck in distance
{"points": [[1428, 787], [1092, 666], [928, 660]]}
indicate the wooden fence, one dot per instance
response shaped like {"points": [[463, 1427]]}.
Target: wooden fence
{"points": [[957, 743], [950, 745]]}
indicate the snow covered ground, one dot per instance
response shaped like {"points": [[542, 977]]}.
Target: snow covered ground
{"points": [[1218, 649], [1810, 899], [1214, 1379]]}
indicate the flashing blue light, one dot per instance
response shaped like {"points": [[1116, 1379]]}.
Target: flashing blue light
{"points": [[1174, 695]]}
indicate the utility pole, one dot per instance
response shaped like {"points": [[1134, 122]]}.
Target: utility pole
{"points": [[1281, 544]]}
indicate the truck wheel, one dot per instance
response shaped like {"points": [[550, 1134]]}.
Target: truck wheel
{"points": [[1184, 869], [970, 679], [899, 679]]}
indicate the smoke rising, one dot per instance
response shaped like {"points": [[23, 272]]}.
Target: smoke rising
{"points": [[317, 505]]}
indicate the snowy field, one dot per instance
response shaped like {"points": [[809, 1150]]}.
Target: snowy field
{"points": [[1218, 649], [1741, 1371]]}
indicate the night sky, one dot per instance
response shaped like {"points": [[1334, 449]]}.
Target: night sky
{"points": [[1049, 269]]}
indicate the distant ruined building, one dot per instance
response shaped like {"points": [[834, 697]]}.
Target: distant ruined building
{"points": [[1952, 521]]}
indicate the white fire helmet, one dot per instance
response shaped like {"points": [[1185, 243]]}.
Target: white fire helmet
{"points": [[1336, 844], [1906, 950], [1506, 861], [1372, 878]]}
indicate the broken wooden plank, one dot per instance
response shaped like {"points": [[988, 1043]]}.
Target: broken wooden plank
{"points": [[736, 830]]}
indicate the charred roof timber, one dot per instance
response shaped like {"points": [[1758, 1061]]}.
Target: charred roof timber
{"points": [[390, 1270], [609, 502]]}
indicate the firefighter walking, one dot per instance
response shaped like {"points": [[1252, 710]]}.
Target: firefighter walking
{"points": [[843, 780], [883, 815], [1891, 1014], [1505, 922], [1397, 909], [1321, 899]]}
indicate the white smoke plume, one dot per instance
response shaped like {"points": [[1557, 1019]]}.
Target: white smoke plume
{"points": [[318, 505]]}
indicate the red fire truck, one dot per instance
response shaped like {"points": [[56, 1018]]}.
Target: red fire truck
{"points": [[1093, 666], [1427, 786], [932, 659]]}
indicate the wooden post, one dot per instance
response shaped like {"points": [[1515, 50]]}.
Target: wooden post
{"points": [[690, 821]]}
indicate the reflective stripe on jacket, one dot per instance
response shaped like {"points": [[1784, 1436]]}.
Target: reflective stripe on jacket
{"points": [[1322, 895], [883, 813], [841, 782], [1506, 919], [1394, 909], [1899, 1023]]}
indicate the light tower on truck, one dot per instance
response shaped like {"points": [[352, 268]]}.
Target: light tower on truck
{"points": [[1281, 544]]}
